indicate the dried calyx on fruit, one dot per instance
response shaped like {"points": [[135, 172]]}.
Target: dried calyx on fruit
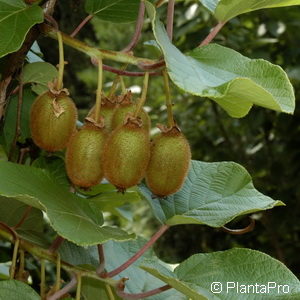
{"points": [[84, 155], [53, 120], [108, 107], [169, 162], [126, 154], [125, 108]]}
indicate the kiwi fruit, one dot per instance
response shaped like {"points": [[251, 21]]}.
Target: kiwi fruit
{"points": [[126, 155], [125, 108], [52, 120], [84, 156], [169, 162], [108, 106]]}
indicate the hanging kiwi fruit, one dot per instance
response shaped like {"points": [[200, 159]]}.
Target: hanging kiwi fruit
{"points": [[169, 162], [53, 114], [170, 155], [108, 107], [127, 106], [85, 150], [84, 156], [127, 151]]}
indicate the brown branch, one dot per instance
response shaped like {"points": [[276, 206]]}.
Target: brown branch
{"points": [[170, 18], [49, 7], [101, 268], [138, 28], [123, 72], [24, 217], [79, 27], [247, 229], [56, 243], [124, 295], [68, 287], [136, 256], [157, 65], [212, 34], [9, 229]]}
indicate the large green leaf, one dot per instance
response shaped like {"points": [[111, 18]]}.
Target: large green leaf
{"points": [[234, 81], [71, 216], [12, 212], [16, 18], [227, 273], [116, 11], [117, 253], [225, 10], [213, 194], [17, 290]]}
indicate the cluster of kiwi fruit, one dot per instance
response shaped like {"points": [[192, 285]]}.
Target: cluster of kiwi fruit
{"points": [[118, 148]]}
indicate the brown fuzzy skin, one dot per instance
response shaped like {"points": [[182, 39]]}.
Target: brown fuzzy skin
{"points": [[169, 163], [108, 108], [84, 156], [126, 155], [119, 116], [49, 130]]}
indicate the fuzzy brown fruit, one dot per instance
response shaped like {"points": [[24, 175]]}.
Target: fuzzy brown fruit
{"points": [[125, 107], [108, 107], [84, 156], [52, 121], [126, 155], [169, 162]]}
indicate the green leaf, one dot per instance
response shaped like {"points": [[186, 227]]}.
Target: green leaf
{"points": [[16, 18], [54, 165], [12, 212], [111, 199], [196, 275], [116, 11], [92, 289], [213, 194], [225, 10], [39, 74], [9, 129], [70, 216], [139, 281], [14, 290], [234, 81]]}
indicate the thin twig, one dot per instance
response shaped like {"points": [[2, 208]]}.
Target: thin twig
{"points": [[142, 100], [18, 121], [43, 279], [212, 34], [58, 273], [79, 27], [160, 3], [109, 292], [138, 28], [159, 64], [123, 72], [3, 91], [24, 217], [170, 18], [124, 295], [68, 287], [9, 229], [135, 257], [99, 92], [247, 229], [169, 104], [56, 243], [78, 290], [101, 267], [12, 269]]}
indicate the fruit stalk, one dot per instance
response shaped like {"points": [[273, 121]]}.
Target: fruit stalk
{"points": [[61, 65], [169, 105], [99, 91], [141, 103]]}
